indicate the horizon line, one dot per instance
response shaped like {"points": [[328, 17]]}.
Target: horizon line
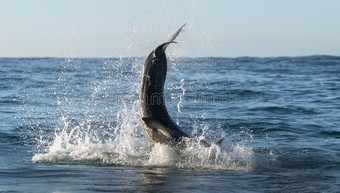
{"points": [[124, 57]]}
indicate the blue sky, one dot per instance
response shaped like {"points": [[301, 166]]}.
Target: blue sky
{"points": [[108, 28]]}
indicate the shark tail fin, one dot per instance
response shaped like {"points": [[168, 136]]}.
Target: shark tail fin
{"points": [[172, 38]]}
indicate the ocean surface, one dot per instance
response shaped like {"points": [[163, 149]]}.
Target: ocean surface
{"points": [[72, 125]]}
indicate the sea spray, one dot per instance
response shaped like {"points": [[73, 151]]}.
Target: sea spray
{"points": [[126, 148], [89, 131]]}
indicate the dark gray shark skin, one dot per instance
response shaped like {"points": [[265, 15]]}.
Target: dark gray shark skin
{"points": [[157, 124]]}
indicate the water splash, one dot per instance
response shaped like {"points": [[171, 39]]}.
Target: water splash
{"points": [[99, 123], [124, 144]]}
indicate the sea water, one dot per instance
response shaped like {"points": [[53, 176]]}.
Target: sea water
{"points": [[73, 125]]}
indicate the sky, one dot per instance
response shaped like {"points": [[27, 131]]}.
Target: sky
{"points": [[128, 28]]}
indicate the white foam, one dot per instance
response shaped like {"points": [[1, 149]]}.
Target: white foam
{"points": [[126, 146], [162, 155]]}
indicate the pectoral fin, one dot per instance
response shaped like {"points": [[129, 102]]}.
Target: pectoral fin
{"points": [[153, 124]]}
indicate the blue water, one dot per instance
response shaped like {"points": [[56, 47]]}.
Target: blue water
{"points": [[72, 125]]}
